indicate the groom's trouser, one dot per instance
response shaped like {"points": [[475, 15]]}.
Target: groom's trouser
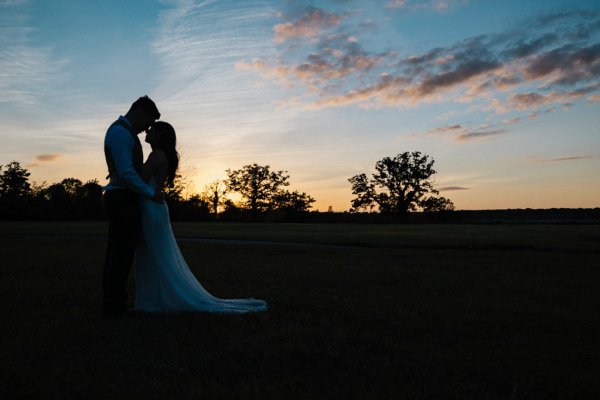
{"points": [[123, 211]]}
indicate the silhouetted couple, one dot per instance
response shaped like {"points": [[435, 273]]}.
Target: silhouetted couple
{"points": [[139, 226]]}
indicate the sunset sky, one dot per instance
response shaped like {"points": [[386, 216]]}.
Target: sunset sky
{"points": [[503, 94]]}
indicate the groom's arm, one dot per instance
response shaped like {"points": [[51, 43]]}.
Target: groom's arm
{"points": [[120, 147]]}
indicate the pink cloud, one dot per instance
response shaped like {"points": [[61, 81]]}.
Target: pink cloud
{"points": [[594, 98], [565, 64], [395, 4], [525, 101], [310, 24], [439, 5], [512, 121], [338, 71]]}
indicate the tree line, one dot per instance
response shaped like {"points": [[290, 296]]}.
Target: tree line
{"points": [[400, 185], [262, 196]]}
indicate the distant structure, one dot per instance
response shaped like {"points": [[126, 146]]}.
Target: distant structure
{"points": [[330, 209]]}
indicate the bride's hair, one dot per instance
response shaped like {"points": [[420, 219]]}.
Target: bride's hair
{"points": [[167, 143]]}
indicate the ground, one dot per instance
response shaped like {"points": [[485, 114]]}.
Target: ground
{"points": [[356, 311]]}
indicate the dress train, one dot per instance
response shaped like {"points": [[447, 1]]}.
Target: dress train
{"points": [[164, 282]]}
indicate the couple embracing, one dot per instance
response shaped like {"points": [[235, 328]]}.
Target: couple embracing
{"points": [[139, 228]]}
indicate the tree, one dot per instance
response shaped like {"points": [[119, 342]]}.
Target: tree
{"points": [[182, 206], [15, 191], [231, 211], [194, 208], [437, 204], [72, 186], [14, 182], [58, 195], [70, 199], [400, 185], [295, 202], [257, 184], [214, 194], [173, 194], [61, 198], [88, 199]]}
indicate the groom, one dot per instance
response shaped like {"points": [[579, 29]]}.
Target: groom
{"points": [[124, 158]]}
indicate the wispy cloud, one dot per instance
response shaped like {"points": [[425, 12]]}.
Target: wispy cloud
{"points": [[12, 3], [439, 5], [512, 121], [459, 133], [436, 5], [28, 73], [395, 4], [561, 159], [220, 111]]}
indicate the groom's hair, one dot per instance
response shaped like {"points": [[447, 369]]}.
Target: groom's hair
{"points": [[146, 105]]}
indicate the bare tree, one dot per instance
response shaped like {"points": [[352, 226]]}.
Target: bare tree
{"points": [[214, 194]]}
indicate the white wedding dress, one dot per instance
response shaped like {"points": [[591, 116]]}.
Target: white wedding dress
{"points": [[164, 283]]}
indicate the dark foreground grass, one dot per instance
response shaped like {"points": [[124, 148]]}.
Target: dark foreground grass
{"points": [[379, 319]]}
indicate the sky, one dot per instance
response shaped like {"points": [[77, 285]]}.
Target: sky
{"points": [[504, 95]]}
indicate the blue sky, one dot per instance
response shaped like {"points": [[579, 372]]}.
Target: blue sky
{"points": [[504, 95]]}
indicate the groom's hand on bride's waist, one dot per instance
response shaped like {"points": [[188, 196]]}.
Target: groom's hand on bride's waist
{"points": [[159, 196]]}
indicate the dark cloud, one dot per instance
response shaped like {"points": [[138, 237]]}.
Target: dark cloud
{"points": [[460, 133], [47, 157], [425, 58], [582, 31], [524, 101], [573, 64], [474, 135], [545, 63], [550, 52], [524, 47], [528, 100], [446, 129], [461, 74], [450, 188], [560, 17]]}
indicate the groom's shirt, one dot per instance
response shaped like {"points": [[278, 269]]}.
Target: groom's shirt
{"points": [[121, 146]]}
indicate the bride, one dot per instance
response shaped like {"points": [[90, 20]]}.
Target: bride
{"points": [[164, 283]]}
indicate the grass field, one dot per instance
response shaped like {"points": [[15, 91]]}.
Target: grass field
{"points": [[356, 312]]}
